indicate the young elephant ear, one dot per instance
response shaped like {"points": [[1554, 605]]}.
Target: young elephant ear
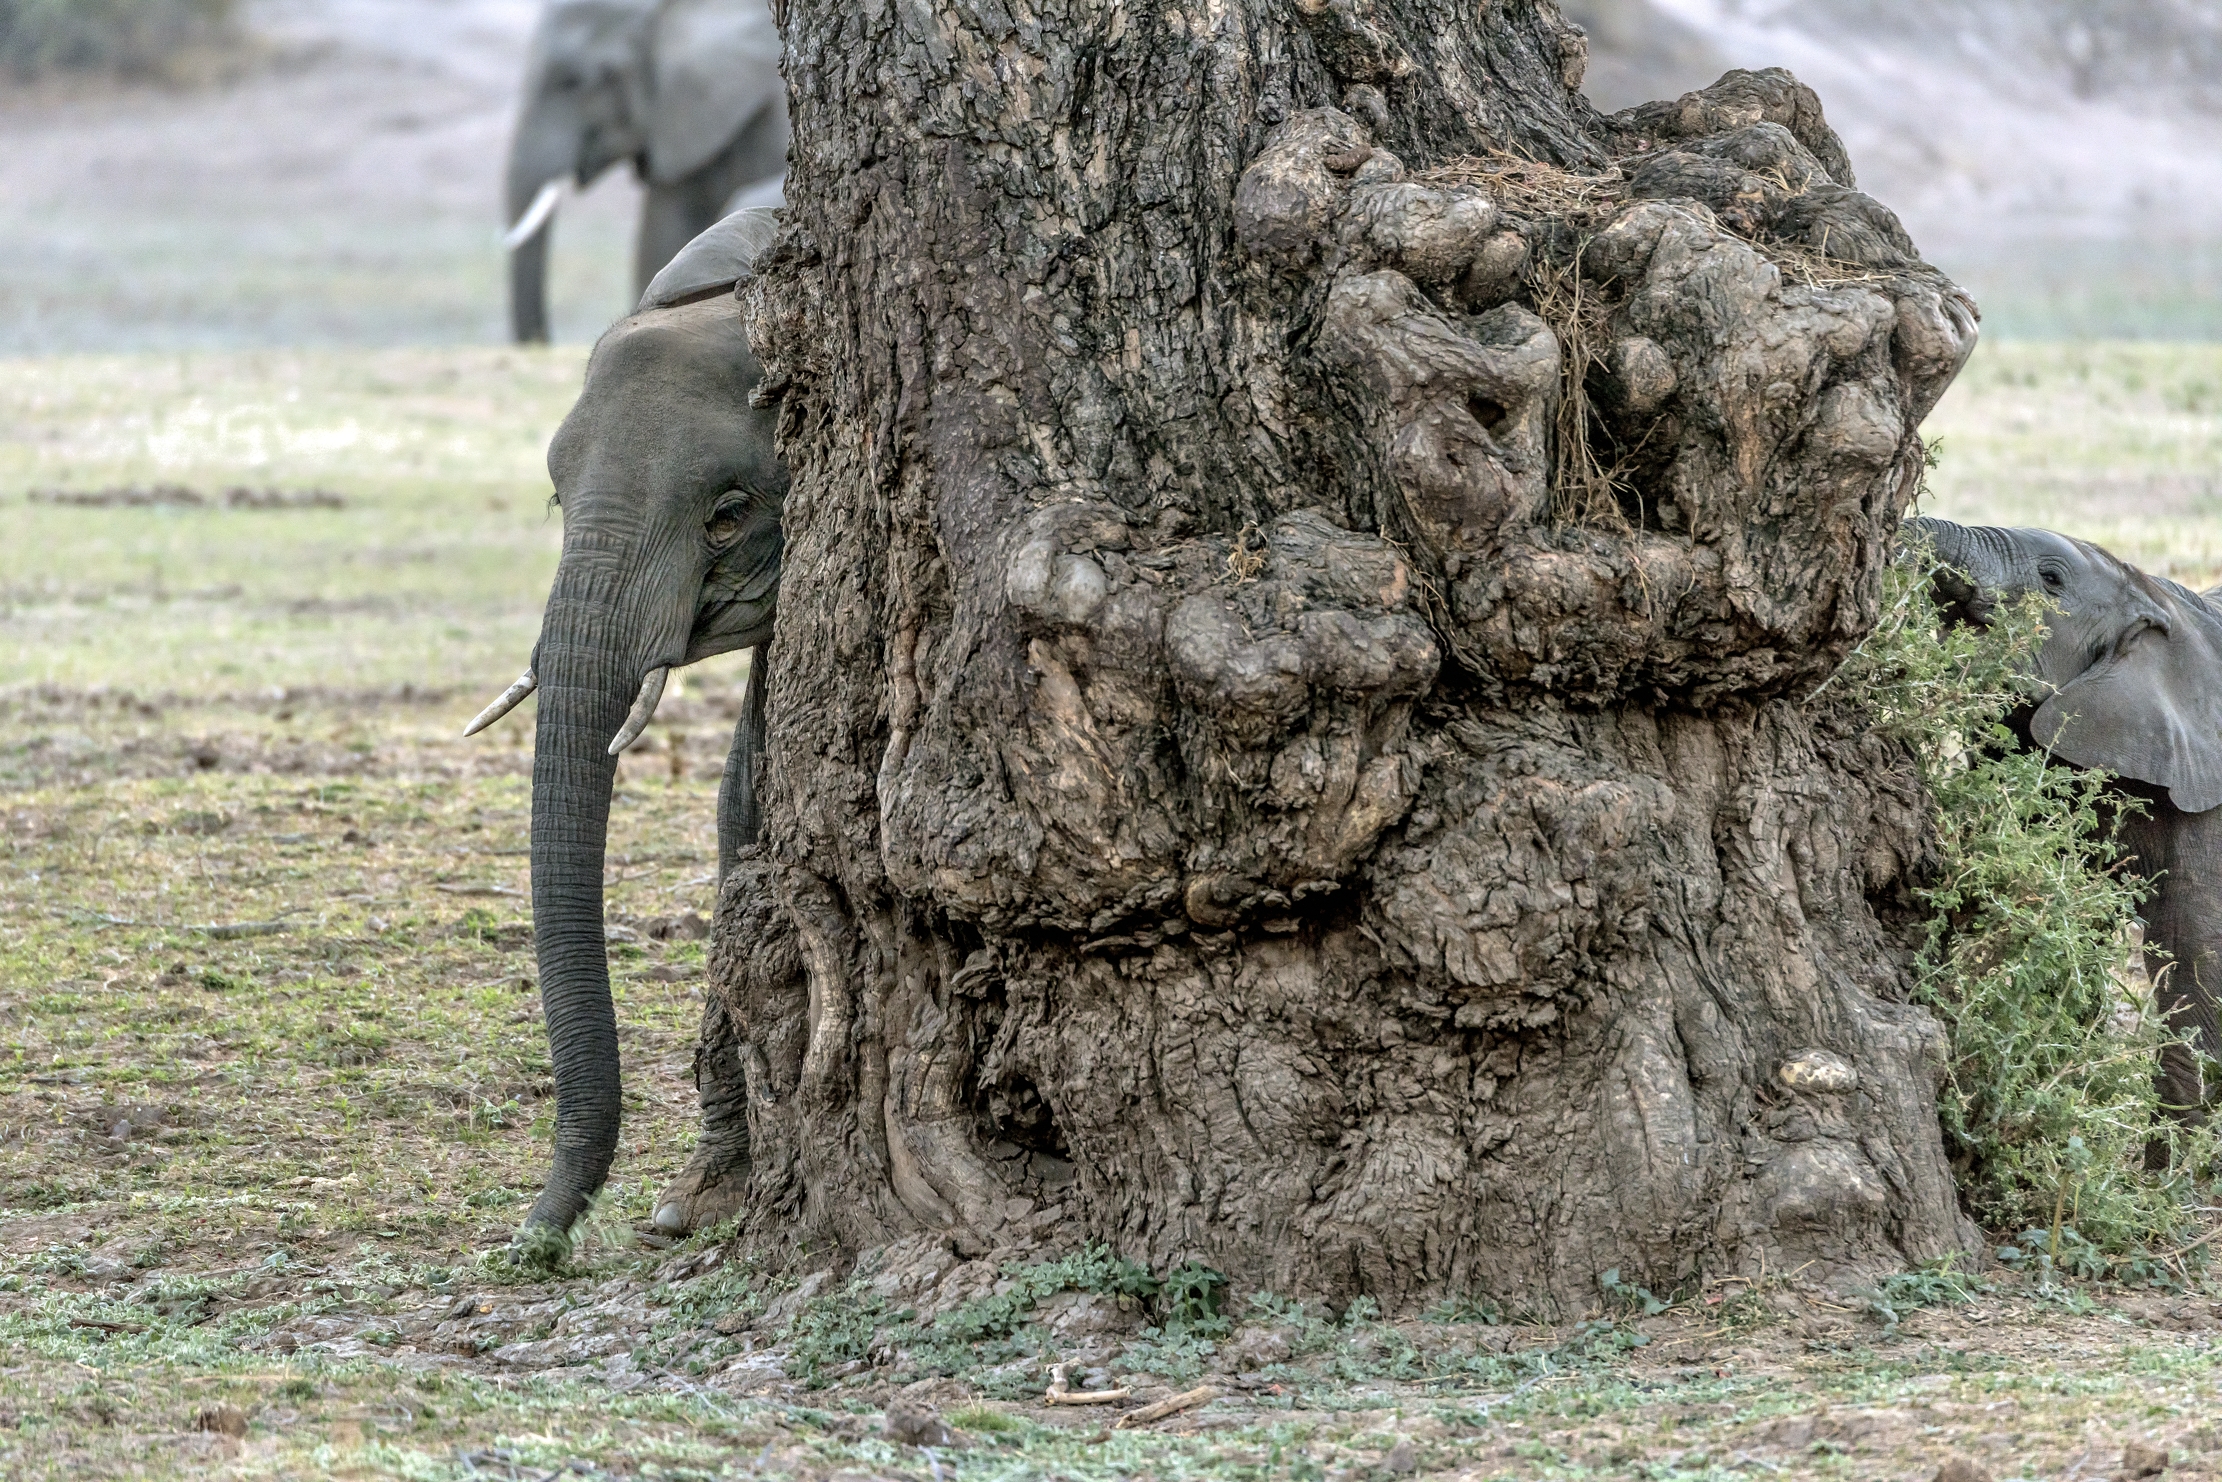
{"points": [[722, 256], [2152, 711], [715, 66]]}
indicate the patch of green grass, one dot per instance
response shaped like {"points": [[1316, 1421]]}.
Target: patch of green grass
{"points": [[1932, 1284], [432, 576], [2118, 442]]}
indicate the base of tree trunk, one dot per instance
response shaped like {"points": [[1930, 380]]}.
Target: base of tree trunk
{"points": [[1651, 1025], [1299, 728]]}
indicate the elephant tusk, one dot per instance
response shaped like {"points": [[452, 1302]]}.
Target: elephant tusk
{"points": [[644, 709], [510, 699], [536, 215]]}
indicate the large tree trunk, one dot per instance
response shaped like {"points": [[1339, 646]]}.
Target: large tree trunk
{"points": [[1290, 723]]}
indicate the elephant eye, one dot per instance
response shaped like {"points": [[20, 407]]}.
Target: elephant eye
{"points": [[2050, 578], [724, 528]]}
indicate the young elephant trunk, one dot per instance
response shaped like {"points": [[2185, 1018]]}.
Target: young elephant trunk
{"points": [[1980, 551], [587, 683]]}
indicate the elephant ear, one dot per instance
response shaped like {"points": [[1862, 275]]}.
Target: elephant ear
{"points": [[715, 65], [718, 259], [2151, 711]]}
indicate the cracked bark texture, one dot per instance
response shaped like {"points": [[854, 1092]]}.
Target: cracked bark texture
{"points": [[1225, 794]]}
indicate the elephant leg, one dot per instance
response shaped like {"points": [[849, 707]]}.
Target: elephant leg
{"points": [[710, 1189], [2184, 852], [739, 818]]}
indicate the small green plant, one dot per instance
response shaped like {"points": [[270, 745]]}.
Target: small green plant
{"points": [[1190, 1298], [1090, 1269], [537, 1250], [1932, 1284], [2050, 1253], [1466, 1309], [2049, 1102], [833, 1330], [1627, 1297]]}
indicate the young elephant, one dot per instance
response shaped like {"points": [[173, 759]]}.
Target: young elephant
{"points": [[2134, 667], [671, 496]]}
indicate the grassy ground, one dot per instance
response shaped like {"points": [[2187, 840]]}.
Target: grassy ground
{"points": [[273, 1076], [2120, 443]]}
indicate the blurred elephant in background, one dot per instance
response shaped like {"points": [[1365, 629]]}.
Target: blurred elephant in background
{"points": [[671, 495], [688, 90], [2133, 666]]}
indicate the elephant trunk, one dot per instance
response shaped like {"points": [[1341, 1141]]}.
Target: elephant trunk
{"points": [[1983, 552], [1980, 566], [538, 156], [588, 678]]}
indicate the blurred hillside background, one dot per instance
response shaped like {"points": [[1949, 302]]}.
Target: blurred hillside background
{"points": [[2061, 158], [215, 174], [227, 173]]}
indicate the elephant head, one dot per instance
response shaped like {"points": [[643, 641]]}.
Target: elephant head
{"points": [[2132, 662], [671, 495], [666, 84]]}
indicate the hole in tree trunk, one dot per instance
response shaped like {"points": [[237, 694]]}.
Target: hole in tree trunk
{"points": [[1489, 414], [1021, 1137]]}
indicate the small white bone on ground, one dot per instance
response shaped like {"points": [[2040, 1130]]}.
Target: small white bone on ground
{"points": [[1061, 1391]]}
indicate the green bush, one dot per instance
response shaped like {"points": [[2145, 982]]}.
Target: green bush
{"points": [[2049, 1100], [130, 38]]}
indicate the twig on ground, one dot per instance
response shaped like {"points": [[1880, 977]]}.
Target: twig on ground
{"points": [[2184, 1250], [1202, 1394], [97, 1325], [232, 931]]}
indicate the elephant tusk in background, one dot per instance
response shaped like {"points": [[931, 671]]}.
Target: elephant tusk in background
{"points": [[526, 683], [536, 215], [644, 709]]}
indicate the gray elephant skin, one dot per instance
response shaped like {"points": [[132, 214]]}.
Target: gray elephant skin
{"points": [[2132, 672], [688, 90], [671, 495]]}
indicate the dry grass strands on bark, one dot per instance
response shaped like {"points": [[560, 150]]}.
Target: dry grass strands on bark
{"points": [[1563, 210], [1533, 189], [1816, 269], [1584, 489]]}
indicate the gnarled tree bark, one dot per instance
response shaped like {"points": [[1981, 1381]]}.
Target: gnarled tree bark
{"points": [[1290, 724]]}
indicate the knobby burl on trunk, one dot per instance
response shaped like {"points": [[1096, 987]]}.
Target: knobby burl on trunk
{"points": [[1289, 725]]}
